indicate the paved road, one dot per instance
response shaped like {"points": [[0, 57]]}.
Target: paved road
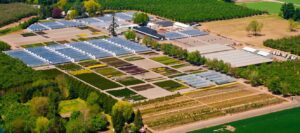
{"points": [[233, 117]]}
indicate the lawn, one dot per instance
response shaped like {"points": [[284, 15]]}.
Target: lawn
{"points": [[170, 85], [270, 7], [97, 80], [109, 72], [69, 106], [286, 121], [15, 11], [126, 94], [129, 81], [184, 11]]}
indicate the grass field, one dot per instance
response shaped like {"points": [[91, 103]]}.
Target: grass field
{"points": [[203, 104], [270, 7], [280, 122], [69, 67], [291, 1], [97, 81], [69, 106], [15, 11], [170, 85], [166, 60]]}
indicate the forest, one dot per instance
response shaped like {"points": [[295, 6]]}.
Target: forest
{"points": [[183, 11], [288, 44]]}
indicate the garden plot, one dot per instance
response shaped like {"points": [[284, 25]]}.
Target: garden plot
{"points": [[95, 80], [153, 93], [166, 60], [150, 76], [129, 80], [69, 67], [146, 64], [142, 87], [170, 85], [115, 62], [163, 113], [109, 72], [166, 71], [133, 58], [126, 94], [132, 69]]}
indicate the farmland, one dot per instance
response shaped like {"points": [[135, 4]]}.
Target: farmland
{"points": [[126, 94], [270, 7], [184, 11], [170, 85], [15, 11], [274, 122], [288, 44], [200, 105]]}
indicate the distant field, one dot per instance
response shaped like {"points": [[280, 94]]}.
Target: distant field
{"points": [[184, 11], [270, 7], [291, 1], [280, 122], [15, 11]]}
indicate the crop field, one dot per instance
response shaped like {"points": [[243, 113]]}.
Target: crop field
{"points": [[166, 60], [184, 11], [270, 7], [142, 87], [170, 85], [166, 71], [69, 67], [129, 81], [96, 80], [15, 11], [203, 104], [109, 72], [126, 94], [115, 62], [286, 121], [89, 63], [133, 58]]}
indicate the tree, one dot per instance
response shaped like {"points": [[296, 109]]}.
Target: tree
{"points": [[292, 25], [138, 120], [4, 46], [195, 58], [296, 15], [113, 26], [141, 19], [92, 98], [72, 14], [76, 124], [61, 4], [287, 10], [98, 123], [254, 27], [92, 7], [121, 113], [39, 106], [130, 35], [42, 125]]}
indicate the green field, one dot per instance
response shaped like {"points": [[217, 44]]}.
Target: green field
{"points": [[280, 122], [15, 11], [126, 94], [69, 67], [270, 7], [129, 81], [97, 81], [184, 11], [170, 85], [292, 1], [109, 72]]}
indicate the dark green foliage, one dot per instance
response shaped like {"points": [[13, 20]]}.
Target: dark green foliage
{"points": [[289, 44], [118, 121], [195, 58], [98, 123], [130, 35], [141, 18], [279, 77], [184, 11], [287, 10], [138, 120], [97, 81], [4, 46], [219, 65], [14, 73]]}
